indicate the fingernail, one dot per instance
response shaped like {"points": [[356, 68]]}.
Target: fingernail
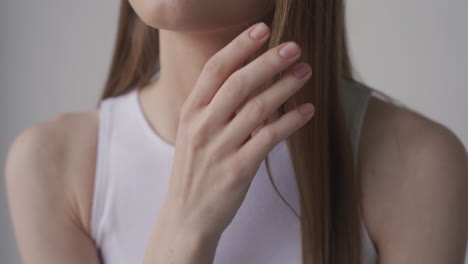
{"points": [[289, 50], [306, 109], [259, 31], [301, 71]]}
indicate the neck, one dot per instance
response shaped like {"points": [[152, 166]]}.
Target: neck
{"points": [[182, 58]]}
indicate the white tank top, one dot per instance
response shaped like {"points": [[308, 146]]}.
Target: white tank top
{"points": [[132, 175]]}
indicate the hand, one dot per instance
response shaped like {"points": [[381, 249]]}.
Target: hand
{"points": [[216, 157]]}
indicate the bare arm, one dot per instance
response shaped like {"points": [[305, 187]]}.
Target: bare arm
{"points": [[48, 229], [416, 188]]}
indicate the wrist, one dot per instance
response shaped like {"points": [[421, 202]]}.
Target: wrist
{"points": [[181, 225], [180, 244], [196, 244], [189, 235]]}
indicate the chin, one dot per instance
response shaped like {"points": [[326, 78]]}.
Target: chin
{"points": [[199, 15]]}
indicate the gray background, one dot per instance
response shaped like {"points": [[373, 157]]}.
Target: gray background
{"points": [[54, 56]]}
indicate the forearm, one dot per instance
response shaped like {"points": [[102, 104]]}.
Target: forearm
{"points": [[171, 243]]}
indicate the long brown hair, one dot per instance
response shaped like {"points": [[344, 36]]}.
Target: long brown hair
{"points": [[321, 150]]}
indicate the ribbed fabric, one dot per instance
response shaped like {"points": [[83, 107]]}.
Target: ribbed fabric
{"points": [[132, 176]]}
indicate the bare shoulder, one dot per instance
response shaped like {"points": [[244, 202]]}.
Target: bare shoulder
{"points": [[57, 157], [415, 181]]}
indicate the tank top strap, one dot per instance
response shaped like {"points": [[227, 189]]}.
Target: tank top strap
{"points": [[116, 122], [355, 98], [101, 181]]}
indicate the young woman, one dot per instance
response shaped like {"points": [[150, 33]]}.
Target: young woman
{"points": [[234, 132]]}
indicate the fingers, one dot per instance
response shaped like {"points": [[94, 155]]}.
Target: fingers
{"points": [[263, 105], [221, 65], [270, 135], [242, 83]]}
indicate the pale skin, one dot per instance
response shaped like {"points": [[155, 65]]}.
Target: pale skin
{"points": [[414, 171]]}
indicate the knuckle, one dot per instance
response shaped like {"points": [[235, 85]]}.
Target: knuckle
{"points": [[213, 66], [235, 81], [198, 135], [257, 108], [270, 59], [184, 114], [237, 85], [196, 140], [209, 112], [242, 43], [270, 136]]}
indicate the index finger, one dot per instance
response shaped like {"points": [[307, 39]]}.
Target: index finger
{"points": [[227, 60]]}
